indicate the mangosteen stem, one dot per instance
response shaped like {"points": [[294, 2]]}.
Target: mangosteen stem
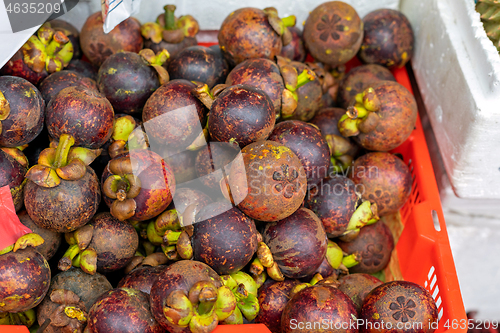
{"points": [[171, 237], [170, 251], [170, 17], [351, 260], [65, 262], [62, 151], [305, 77], [289, 21]]}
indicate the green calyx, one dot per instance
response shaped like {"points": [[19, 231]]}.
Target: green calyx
{"points": [[362, 117], [156, 61], [79, 254], [365, 214], [122, 128], [244, 289], [47, 49], [169, 28], [23, 242], [63, 162]]}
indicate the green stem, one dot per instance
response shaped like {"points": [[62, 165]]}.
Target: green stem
{"points": [[350, 260], [305, 77], [171, 237], [169, 17], [63, 147]]}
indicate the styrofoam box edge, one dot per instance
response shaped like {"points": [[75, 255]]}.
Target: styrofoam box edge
{"points": [[458, 72]]}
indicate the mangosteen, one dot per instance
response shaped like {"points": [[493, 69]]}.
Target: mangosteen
{"points": [[333, 33], [273, 298], [374, 244], [52, 239], [105, 244], [241, 114], [384, 179], [211, 160], [62, 192], [298, 243], [123, 310], [22, 111], [267, 181], [342, 150], [45, 52], [334, 201], [13, 166], [388, 38], [317, 309], [137, 185], [128, 79], [170, 104], [309, 146], [97, 45], [358, 79], [357, 286], [170, 33], [25, 279], [80, 289], [381, 117], [185, 197], [57, 81], [84, 68], [295, 50], [199, 63], [224, 238], [183, 164], [189, 296], [253, 33], [83, 113], [141, 278], [71, 32], [399, 304], [309, 95]]}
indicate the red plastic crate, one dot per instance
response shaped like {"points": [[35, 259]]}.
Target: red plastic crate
{"points": [[423, 249]]}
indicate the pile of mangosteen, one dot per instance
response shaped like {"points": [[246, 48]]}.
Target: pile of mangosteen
{"points": [[171, 187]]}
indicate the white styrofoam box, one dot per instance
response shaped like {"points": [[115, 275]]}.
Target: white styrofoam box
{"points": [[458, 72]]}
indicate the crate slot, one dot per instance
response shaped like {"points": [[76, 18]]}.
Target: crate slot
{"points": [[435, 219]]}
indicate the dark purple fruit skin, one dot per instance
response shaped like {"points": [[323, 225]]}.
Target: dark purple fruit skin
{"points": [[309, 146], [375, 244], [333, 201], [295, 50], [27, 112], [318, 304], [52, 239], [246, 33], [272, 300], [66, 207], [396, 301], [24, 280], [186, 196], [173, 49], [123, 310], [181, 275], [388, 38], [260, 73], [114, 241], [242, 113], [17, 67], [224, 238], [384, 179], [214, 156], [298, 243], [83, 67], [127, 81], [141, 278], [357, 286], [83, 113], [57, 81], [182, 165], [327, 120], [71, 32], [159, 113], [310, 96], [358, 79], [199, 63], [12, 174], [87, 287]]}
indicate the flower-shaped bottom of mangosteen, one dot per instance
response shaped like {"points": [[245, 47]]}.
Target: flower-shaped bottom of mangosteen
{"points": [[382, 199], [329, 27], [403, 309], [287, 181], [373, 255]]}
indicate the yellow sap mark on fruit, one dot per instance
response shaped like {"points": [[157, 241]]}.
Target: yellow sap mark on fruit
{"points": [[112, 70], [348, 18], [376, 316], [278, 151], [261, 168], [328, 51], [404, 55], [261, 157], [24, 260], [346, 28], [123, 91], [348, 88], [29, 93]]}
